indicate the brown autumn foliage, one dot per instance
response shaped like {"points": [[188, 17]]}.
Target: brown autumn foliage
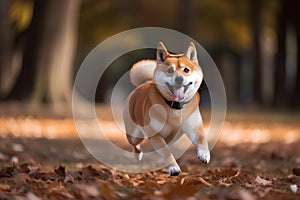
{"points": [[43, 168]]}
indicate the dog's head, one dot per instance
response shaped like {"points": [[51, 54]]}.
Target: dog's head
{"points": [[177, 76]]}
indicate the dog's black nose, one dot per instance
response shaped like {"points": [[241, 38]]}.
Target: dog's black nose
{"points": [[179, 80]]}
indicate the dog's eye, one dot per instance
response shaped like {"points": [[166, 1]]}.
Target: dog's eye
{"points": [[186, 70], [170, 70]]}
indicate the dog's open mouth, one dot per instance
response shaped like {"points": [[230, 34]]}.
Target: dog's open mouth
{"points": [[178, 91]]}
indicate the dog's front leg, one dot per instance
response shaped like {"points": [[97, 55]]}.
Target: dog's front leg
{"points": [[160, 145], [199, 139], [202, 148], [194, 130]]}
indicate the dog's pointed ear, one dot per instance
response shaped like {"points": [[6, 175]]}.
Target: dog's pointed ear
{"points": [[161, 52], [191, 53]]}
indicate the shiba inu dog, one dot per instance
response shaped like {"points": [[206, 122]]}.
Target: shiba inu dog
{"points": [[165, 104]]}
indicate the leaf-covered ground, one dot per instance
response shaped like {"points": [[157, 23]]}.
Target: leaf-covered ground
{"points": [[242, 166]]}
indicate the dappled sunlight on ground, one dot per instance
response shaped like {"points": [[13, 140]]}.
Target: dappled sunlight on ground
{"points": [[239, 128]]}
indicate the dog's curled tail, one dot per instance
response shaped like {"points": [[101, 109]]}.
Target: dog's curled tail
{"points": [[142, 71]]}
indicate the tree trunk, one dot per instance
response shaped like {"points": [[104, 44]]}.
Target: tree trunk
{"points": [[23, 86], [295, 18], [50, 44], [187, 18], [256, 24], [55, 60], [6, 45], [280, 74], [296, 98]]}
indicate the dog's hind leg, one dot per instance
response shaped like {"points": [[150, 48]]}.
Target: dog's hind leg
{"points": [[136, 145], [160, 145]]}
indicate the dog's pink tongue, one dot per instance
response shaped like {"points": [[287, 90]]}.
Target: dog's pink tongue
{"points": [[178, 94]]}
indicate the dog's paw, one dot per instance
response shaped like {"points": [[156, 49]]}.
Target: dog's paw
{"points": [[174, 170], [203, 155], [138, 156]]}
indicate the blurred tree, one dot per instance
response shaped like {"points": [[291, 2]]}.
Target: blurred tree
{"points": [[280, 74], [288, 15], [234, 33], [295, 6], [6, 44], [187, 17], [55, 60], [48, 54], [23, 86], [257, 75]]}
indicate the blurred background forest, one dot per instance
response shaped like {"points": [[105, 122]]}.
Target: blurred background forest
{"points": [[255, 44]]}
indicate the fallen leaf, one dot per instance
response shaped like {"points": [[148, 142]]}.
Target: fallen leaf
{"points": [[107, 191], [34, 171], [60, 171], [17, 147], [224, 184], [126, 176], [104, 174], [50, 176], [4, 187], [69, 178], [182, 181], [8, 171], [296, 171], [31, 196], [246, 195], [158, 192], [222, 173], [55, 186], [24, 168], [189, 180], [148, 184], [204, 181], [3, 156], [161, 182], [121, 195], [262, 181], [180, 192], [89, 190], [89, 171], [193, 180], [20, 178]]}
